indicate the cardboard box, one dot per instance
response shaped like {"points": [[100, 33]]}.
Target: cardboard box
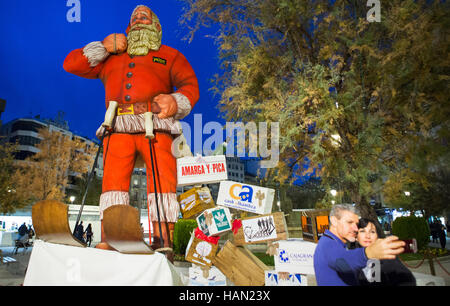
{"points": [[214, 221], [196, 170], [314, 223], [295, 256], [201, 249], [261, 229], [254, 199], [275, 278], [194, 201], [206, 276], [240, 265]]}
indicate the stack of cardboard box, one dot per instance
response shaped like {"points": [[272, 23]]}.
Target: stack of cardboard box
{"points": [[234, 260]]}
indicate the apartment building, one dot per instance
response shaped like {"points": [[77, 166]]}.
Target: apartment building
{"points": [[24, 131]]}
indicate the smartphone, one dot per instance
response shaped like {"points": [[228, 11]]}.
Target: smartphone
{"points": [[410, 246]]}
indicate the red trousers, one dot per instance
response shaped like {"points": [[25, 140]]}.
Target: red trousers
{"points": [[122, 150], [120, 153]]}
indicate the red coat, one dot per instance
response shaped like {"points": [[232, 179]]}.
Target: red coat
{"points": [[138, 78]]}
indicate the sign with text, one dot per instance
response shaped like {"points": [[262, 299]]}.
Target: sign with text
{"points": [[194, 201], [295, 256], [254, 199], [194, 170]]}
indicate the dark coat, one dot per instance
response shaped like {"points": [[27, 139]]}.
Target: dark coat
{"points": [[393, 273]]}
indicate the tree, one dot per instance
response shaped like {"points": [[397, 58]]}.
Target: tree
{"points": [[352, 97], [10, 199], [44, 176], [94, 192], [430, 199]]}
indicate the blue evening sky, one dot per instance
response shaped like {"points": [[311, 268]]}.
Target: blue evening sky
{"points": [[36, 36]]}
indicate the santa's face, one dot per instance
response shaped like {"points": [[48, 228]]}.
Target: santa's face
{"points": [[142, 15], [145, 32]]}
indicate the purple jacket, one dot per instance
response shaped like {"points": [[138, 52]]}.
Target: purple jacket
{"points": [[334, 264]]}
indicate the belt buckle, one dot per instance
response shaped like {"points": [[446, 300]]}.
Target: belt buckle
{"points": [[125, 110]]}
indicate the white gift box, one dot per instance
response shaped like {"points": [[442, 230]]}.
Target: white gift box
{"points": [[273, 278], [213, 277], [214, 221], [195, 170], [295, 256], [254, 199]]}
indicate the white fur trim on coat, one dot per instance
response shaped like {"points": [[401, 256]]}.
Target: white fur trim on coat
{"points": [[95, 53], [184, 106], [134, 124]]}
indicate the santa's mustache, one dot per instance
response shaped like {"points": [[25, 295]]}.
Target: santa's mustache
{"points": [[139, 26]]}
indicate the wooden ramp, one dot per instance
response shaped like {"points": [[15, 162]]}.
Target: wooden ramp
{"points": [[51, 223], [122, 229], [121, 225]]}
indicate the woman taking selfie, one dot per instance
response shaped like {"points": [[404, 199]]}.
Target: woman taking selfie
{"points": [[392, 272]]}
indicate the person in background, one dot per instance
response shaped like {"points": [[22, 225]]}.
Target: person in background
{"points": [[434, 231], [392, 271], [79, 232], [334, 263], [23, 233], [447, 224], [89, 234], [441, 234], [386, 227]]}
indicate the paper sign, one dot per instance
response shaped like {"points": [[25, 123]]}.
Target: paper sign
{"points": [[201, 170], [295, 256], [254, 199], [214, 221], [259, 229]]}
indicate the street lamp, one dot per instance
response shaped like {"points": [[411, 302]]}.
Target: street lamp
{"points": [[407, 193], [72, 198]]}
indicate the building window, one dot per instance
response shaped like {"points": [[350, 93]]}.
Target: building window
{"points": [[25, 140], [25, 126]]}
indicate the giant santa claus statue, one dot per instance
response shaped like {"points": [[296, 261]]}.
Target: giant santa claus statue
{"points": [[141, 75]]}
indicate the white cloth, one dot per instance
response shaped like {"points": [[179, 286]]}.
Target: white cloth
{"points": [[60, 265]]}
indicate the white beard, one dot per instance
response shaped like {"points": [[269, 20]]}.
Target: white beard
{"points": [[140, 42]]}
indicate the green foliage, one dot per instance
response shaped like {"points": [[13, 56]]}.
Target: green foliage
{"points": [[268, 260], [365, 101], [424, 253], [182, 234], [94, 192], [412, 227]]}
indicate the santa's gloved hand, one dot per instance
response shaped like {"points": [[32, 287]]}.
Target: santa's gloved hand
{"points": [[167, 104]]}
